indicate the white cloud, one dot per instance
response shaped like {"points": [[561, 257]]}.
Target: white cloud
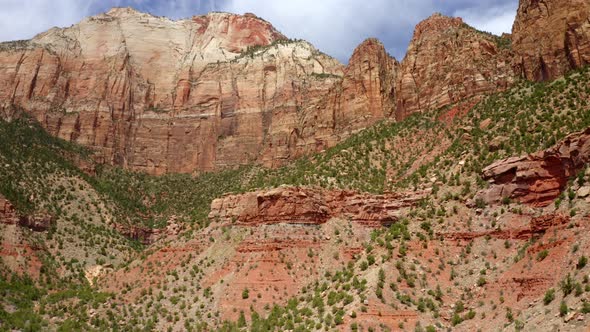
{"points": [[496, 20], [23, 19], [334, 26]]}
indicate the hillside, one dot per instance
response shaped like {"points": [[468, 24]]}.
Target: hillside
{"points": [[336, 261]]}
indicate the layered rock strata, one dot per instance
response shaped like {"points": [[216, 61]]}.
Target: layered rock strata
{"points": [[448, 61], [537, 179], [551, 37], [311, 206], [222, 90]]}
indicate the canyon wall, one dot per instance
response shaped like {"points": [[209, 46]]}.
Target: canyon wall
{"points": [[551, 37], [448, 61], [221, 90]]}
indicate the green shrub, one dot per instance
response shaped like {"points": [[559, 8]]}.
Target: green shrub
{"points": [[563, 309], [245, 293], [542, 255], [582, 261], [549, 296]]}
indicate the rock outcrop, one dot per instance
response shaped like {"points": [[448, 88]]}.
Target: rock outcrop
{"points": [[215, 91], [539, 178], [551, 37], [366, 93], [448, 61], [311, 206], [8, 214], [537, 226], [147, 235], [38, 222]]}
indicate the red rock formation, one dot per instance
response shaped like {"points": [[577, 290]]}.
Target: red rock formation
{"points": [[300, 205], [8, 214], [280, 205], [148, 235], [537, 226], [162, 96], [222, 90], [366, 93], [216, 91], [38, 222], [550, 37], [539, 178], [448, 61], [358, 99]]}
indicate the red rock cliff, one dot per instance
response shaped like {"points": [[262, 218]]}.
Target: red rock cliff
{"points": [[539, 178], [551, 37], [219, 90], [448, 61], [302, 205], [366, 93], [162, 96]]}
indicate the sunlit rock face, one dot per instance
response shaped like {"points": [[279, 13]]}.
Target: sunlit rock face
{"points": [[551, 37], [448, 61]]}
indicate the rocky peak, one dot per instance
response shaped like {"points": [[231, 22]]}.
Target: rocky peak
{"points": [[123, 11], [435, 25], [245, 30], [370, 50], [362, 95], [551, 37], [159, 95], [370, 77], [220, 90], [369, 45], [448, 61]]}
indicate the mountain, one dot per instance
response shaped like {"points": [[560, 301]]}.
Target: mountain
{"points": [[147, 186], [223, 90], [162, 96], [551, 37], [448, 61]]}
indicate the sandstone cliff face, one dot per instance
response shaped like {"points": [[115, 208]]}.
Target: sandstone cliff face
{"points": [[162, 96], [537, 179], [448, 61], [236, 112], [551, 37], [222, 90], [215, 91], [366, 93], [301, 205]]}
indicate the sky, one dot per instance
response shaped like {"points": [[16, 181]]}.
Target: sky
{"points": [[335, 27]]}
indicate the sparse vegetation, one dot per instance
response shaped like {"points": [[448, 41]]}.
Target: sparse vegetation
{"points": [[407, 265]]}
